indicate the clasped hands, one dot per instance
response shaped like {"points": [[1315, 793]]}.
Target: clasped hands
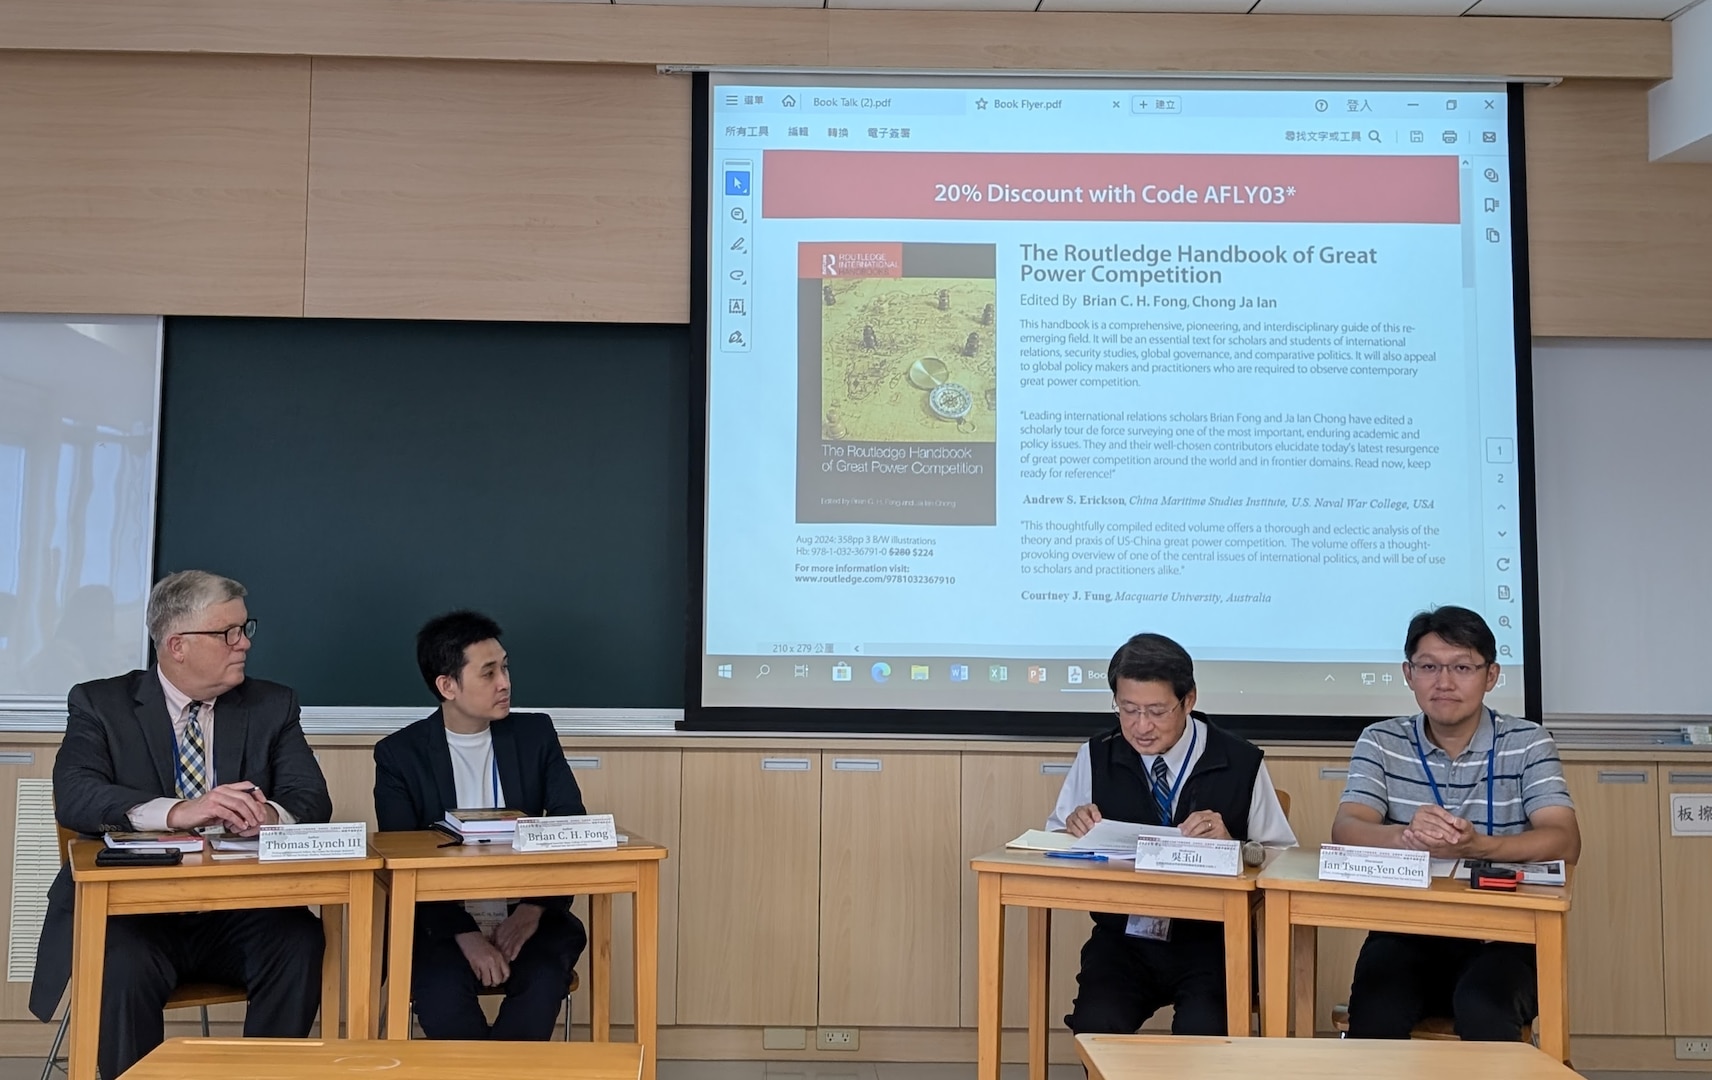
{"points": [[1204, 824], [491, 960], [241, 808], [1441, 834]]}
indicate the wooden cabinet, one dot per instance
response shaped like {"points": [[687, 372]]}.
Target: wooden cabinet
{"points": [[749, 887], [641, 789], [1004, 794], [1686, 874], [27, 827], [888, 890], [1616, 934], [1315, 786], [349, 771]]}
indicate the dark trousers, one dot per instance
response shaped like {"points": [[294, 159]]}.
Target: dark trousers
{"points": [[273, 953], [447, 993], [1124, 980], [1490, 989]]}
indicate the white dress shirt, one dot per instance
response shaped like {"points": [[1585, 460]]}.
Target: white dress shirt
{"points": [[151, 816], [1266, 821]]}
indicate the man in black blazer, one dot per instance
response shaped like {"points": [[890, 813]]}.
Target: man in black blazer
{"points": [[186, 744], [474, 752]]}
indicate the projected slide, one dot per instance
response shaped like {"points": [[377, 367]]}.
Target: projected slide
{"points": [[998, 376]]}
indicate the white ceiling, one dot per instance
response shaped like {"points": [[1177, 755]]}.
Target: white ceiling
{"points": [[1607, 9]]}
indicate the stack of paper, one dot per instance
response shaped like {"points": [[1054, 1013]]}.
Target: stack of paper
{"points": [[154, 841], [1532, 873], [1109, 839]]}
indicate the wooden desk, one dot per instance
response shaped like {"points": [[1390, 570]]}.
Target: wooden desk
{"points": [[1153, 1057], [419, 869], [1029, 879], [1298, 903], [315, 1059], [202, 883]]}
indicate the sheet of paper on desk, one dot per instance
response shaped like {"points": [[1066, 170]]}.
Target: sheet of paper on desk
{"points": [[1118, 838], [1040, 840], [1444, 867], [1533, 873]]}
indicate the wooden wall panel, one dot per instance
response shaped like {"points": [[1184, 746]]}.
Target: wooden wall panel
{"points": [[445, 190], [32, 761], [888, 891], [1087, 41], [1620, 247], [152, 185], [1686, 881]]}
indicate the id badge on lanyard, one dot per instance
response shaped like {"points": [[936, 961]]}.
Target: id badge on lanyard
{"points": [[1491, 761]]}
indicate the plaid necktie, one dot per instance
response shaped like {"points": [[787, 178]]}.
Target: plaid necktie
{"points": [[1162, 789], [192, 761]]}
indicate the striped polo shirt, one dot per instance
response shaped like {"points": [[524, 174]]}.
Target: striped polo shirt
{"points": [[1385, 772]]}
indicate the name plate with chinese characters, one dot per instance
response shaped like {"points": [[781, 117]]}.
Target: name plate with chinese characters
{"points": [[338, 840], [569, 833], [1188, 855], [1375, 866]]}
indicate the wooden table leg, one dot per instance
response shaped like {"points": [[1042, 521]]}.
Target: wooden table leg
{"points": [[1304, 975], [989, 976], [1551, 948], [1039, 977], [360, 957], [1275, 991], [600, 967], [1239, 986], [646, 933], [88, 958], [377, 949], [402, 911], [332, 972]]}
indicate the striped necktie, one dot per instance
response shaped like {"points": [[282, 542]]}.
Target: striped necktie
{"points": [[192, 761], [1162, 789]]}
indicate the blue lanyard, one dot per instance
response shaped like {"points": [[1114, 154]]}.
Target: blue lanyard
{"points": [[1171, 799], [1491, 760]]}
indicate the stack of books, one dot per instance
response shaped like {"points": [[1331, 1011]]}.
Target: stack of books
{"points": [[482, 826]]}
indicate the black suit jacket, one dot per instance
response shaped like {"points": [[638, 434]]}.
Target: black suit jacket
{"points": [[414, 789], [118, 752]]}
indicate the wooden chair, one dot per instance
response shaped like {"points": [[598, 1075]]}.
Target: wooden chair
{"points": [[490, 991], [189, 996], [1435, 1028]]}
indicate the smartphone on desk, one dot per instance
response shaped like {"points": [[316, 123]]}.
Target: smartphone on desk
{"points": [[111, 857]]}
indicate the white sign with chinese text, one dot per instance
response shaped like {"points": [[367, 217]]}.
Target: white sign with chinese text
{"points": [[1691, 815], [1375, 866], [336, 840], [569, 833], [1188, 855]]}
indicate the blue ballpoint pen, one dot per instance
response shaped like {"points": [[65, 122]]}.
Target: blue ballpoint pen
{"points": [[1091, 856]]}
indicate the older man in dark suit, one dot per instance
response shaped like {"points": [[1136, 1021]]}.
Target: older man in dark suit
{"points": [[187, 744]]}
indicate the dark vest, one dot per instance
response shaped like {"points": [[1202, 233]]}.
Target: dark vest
{"points": [[1223, 780]]}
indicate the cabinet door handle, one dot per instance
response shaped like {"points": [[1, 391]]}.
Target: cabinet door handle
{"points": [[583, 763], [1055, 768], [856, 764], [1334, 774], [1615, 776], [785, 764], [1690, 777], [17, 757]]}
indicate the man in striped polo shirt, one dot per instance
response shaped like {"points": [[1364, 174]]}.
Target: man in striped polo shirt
{"points": [[1458, 780]]}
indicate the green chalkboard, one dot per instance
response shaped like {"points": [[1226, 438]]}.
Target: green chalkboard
{"points": [[362, 476]]}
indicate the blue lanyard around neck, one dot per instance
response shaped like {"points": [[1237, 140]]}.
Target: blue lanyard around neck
{"points": [[1491, 760], [1171, 799]]}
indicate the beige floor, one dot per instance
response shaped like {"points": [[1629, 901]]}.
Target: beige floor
{"points": [[31, 1069]]}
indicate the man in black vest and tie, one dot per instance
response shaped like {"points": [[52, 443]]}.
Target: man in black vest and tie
{"points": [[1163, 765]]}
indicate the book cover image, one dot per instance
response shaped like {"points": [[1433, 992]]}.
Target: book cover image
{"points": [[898, 383]]}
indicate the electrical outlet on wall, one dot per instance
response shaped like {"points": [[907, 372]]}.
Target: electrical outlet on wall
{"points": [[1694, 1049], [835, 1038]]}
